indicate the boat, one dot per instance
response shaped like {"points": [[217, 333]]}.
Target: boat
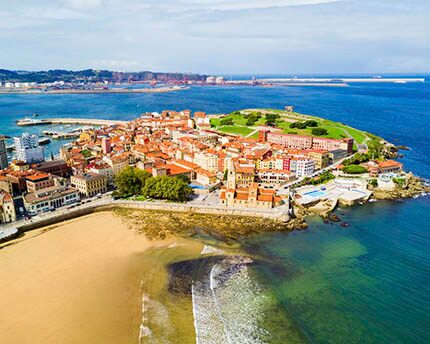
{"points": [[44, 141]]}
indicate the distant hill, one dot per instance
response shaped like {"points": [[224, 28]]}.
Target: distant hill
{"points": [[92, 75]]}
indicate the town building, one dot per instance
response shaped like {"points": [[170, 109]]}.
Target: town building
{"points": [[106, 145], [38, 181], [103, 169], [304, 167], [57, 168], [305, 142], [89, 184], [273, 178], [7, 208], [246, 197], [27, 148], [50, 198]]}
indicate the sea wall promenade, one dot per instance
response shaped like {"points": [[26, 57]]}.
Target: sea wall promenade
{"points": [[60, 215]]}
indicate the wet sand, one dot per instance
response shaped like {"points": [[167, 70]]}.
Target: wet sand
{"points": [[80, 282]]}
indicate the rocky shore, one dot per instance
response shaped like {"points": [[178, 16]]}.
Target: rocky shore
{"points": [[412, 187], [163, 224]]}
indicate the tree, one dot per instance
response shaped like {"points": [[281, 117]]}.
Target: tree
{"points": [[319, 131], [271, 118], [129, 181], [86, 153], [165, 187], [311, 123], [184, 177]]}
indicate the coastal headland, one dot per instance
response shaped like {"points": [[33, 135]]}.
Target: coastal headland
{"points": [[340, 165]]}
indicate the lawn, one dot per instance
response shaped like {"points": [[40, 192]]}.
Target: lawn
{"points": [[234, 129], [336, 130]]}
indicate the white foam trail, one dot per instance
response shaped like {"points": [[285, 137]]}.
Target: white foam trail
{"points": [[217, 305], [227, 305]]}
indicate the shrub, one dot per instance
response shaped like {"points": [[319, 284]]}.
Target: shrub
{"points": [[399, 181], [373, 182], [354, 169], [323, 178], [319, 131]]}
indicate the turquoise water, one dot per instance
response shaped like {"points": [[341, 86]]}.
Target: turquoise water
{"points": [[315, 193], [367, 283]]}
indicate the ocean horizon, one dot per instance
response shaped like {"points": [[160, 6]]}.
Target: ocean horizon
{"points": [[368, 283]]}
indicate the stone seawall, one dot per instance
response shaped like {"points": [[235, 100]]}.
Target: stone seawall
{"points": [[275, 214]]}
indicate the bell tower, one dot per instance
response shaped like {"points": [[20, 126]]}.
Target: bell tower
{"points": [[231, 175]]}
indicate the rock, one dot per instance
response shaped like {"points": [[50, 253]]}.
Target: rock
{"points": [[344, 224], [334, 218]]}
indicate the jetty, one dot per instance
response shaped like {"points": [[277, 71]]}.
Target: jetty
{"points": [[83, 121]]}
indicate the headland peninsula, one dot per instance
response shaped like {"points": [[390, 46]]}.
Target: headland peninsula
{"points": [[269, 163], [135, 231]]}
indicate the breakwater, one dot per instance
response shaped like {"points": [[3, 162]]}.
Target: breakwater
{"points": [[83, 121]]}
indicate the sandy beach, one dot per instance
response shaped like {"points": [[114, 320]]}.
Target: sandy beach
{"points": [[79, 282]]}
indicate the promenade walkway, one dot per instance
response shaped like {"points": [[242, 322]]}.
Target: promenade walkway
{"points": [[107, 203]]}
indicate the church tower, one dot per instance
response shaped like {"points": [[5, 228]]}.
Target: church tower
{"points": [[231, 175]]}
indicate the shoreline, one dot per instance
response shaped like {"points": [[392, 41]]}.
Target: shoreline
{"points": [[109, 91], [95, 279]]}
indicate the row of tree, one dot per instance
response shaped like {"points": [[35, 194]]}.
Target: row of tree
{"points": [[134, 182]]}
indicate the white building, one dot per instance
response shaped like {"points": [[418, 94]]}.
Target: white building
{"points": [[27, 148], [211, 80], [50, 198], [219, 80], [9, 85], [305, 167], [207, 160]]}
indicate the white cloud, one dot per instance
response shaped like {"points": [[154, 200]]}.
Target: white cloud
{"points": [[83, 4], [113, 64], [218, 35]]}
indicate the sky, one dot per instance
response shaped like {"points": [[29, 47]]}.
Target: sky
{"points": [[217, 36]]}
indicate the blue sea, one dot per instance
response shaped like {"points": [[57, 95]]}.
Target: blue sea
{"points": [[368, 283]]}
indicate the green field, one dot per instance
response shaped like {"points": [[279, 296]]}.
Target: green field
{"points": [[235, 129], [335, 130]]}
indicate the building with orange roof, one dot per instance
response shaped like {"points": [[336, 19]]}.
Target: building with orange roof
{"points": [[389, 166], [205, 177], [246, 197], [38, 181]]}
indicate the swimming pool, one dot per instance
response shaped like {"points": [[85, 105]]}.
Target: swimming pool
{"points": [[315, 193]]}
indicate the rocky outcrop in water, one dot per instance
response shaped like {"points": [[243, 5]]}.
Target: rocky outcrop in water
{"points": [[412, 187]]}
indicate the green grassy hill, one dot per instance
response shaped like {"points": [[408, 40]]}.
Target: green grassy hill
{"points": [[241, 125]]}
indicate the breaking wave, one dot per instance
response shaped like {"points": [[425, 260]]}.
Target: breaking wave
{"points": [[227, 303]]}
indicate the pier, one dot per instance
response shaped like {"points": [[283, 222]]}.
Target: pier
{"points": [[84, 121]]}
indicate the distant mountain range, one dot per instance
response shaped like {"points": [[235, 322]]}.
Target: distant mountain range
{"points": [[92, 76]]}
